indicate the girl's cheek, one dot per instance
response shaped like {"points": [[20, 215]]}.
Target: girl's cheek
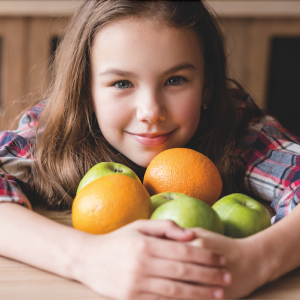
{"points": [[188, 112], [113, 117], [109, 106]]}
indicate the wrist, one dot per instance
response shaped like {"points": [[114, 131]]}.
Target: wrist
{"points": [[265, 256], [74, 254], [82, 254]]}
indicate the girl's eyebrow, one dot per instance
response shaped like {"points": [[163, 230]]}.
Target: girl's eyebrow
{"points": [[113, 71]]}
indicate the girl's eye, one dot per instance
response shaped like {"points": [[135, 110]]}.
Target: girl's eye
{"points": [[124, 84], [176, 80]]}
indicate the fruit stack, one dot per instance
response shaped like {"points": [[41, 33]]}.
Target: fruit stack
{"points": [[180, 184]]}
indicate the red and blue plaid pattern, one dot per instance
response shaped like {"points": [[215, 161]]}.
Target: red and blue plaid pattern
{"points": [[16, 158], [273, 169], [268, 157]]}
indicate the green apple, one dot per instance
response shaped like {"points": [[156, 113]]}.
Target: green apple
{"points": [[187, 212], [241, 215], [161, 198], [104, 169]]}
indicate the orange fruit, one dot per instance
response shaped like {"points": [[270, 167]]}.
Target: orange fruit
{"points": [[182, 170], [109, 203]]}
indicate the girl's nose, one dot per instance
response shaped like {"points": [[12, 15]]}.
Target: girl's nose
{"points": [[151, 108]]}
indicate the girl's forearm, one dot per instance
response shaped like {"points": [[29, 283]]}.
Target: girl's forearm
{"points": [[278, 244], [55, 245]]}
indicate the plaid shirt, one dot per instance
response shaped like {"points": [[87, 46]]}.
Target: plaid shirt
{"points": [[268, 157]]}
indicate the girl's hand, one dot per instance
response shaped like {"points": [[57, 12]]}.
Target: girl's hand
{"points": [[150, 260], [244, 261]]}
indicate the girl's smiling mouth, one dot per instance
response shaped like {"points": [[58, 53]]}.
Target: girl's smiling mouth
{"points": [[151, 139]]}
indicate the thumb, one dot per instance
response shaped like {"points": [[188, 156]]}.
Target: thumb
{"points": [[164, 229], [208, 239]]}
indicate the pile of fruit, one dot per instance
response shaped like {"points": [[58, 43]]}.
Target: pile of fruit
{"points": [[180, 184]]}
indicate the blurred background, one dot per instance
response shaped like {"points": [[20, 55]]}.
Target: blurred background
{"points": [[262, 42]]}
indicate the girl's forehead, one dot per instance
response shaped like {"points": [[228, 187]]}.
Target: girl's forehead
{"points": [[132, 35], [142, 23]]}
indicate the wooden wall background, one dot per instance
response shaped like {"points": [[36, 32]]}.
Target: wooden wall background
{"points": [[25, 59], [26, 42]]}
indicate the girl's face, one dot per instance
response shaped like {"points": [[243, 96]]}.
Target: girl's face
{"points": [[147, 86]]}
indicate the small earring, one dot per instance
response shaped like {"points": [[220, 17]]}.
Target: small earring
{"points": [[204, 106]]}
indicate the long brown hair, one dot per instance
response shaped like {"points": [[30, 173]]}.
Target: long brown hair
{"points": [[70, 142]]}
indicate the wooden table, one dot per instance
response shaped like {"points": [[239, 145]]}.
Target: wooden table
{"points": [[19, 281]]}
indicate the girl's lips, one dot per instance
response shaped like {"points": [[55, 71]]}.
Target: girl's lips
{"points": [[151, 141]]}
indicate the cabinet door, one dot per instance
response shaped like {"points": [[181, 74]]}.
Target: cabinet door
{"points": [[249, 49], [42, 32], [26, 49], [12, 68]]}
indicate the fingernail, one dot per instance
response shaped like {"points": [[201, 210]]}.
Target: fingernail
{"points": [[218, 294], [222, 260], [227, 278]]}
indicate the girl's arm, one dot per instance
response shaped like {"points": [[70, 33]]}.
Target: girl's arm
{"points": [[260, 258], [141, 259], [282, 241], [31, 238]]}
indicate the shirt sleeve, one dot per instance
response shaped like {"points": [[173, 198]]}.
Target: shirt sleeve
{"points": [[272, 164], [17, 157]]}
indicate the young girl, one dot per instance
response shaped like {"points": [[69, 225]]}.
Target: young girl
{"points": [[131, 79]]}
